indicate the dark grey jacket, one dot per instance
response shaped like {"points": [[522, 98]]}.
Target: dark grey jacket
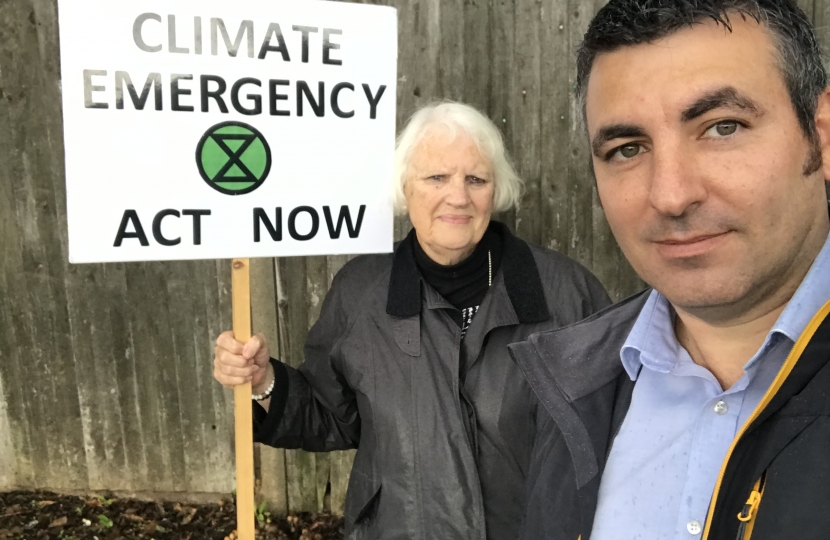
{"points": [[585, 393], [443, 427]]}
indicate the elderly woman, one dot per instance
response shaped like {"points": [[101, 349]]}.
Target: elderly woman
{"points": [[408, 360]]}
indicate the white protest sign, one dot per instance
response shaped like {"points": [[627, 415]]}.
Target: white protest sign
{"points": [[203, 129]]}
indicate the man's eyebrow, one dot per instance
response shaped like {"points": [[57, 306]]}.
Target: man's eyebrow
{"points": [[614, 131], [722, 98]]}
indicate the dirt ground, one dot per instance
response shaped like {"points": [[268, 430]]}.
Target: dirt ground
{"points": [[40, 515]]}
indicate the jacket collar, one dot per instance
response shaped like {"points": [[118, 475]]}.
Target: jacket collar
{"points": [[572, 370], [521, 279], [580, 358]]}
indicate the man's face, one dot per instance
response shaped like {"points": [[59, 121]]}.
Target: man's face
{"points": [[700, 162]]}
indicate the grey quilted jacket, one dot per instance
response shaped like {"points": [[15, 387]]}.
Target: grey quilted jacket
{"points": [[443, 426]]}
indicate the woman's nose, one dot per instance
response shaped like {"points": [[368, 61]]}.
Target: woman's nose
{"points": [[457, 191]]}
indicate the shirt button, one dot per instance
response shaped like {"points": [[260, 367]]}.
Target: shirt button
{"points": [[720, 407], [694, 527]]}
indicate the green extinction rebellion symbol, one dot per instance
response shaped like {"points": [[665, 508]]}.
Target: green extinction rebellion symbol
{"points": [[233, 158]]}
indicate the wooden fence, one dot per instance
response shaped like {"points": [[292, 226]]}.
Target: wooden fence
{"points": [[105, 370]]}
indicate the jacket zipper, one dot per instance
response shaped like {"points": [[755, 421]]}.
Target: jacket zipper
{"points": [[747, 515], [460, 395], [783, 373]]}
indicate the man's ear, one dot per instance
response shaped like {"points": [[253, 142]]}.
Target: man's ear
{"points": [[823, 130]]}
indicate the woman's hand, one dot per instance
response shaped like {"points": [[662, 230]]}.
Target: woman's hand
{"points": [[236, 363]]}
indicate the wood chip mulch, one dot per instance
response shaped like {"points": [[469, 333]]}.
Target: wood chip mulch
{"points": [[31, 515]]}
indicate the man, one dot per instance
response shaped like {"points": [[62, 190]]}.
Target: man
{"points": [[700, 408]]}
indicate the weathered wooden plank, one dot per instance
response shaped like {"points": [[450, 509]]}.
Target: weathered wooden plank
{"points": [[217, 402], [192, 349], [144, 287], [292, 302], [502, 35], [526, 106], [12, 429], [211, 468], [119, 314], [809, 7], [580, 222], [8, 468], [264, 313], [555, 134], [41, 323], [123, 417], [46, 164], [478, 51], [451, 49], [92, 340], [183, 313], [821, 22], [15, 307], [15, 468], [34, 329]]}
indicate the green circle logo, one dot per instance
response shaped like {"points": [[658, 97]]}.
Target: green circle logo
{"points": [[233, 158]]}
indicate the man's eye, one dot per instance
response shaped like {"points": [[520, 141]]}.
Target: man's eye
{"points": [[724, 129], [629, 151], [626, 152]]}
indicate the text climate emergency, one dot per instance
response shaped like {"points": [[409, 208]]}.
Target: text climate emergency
{"points": [[248, 96]]}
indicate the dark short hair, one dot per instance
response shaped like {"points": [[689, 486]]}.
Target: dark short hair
{"points": [[624, 23]]}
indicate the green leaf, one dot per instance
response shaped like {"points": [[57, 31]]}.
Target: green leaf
{"points": [[105, 521]]}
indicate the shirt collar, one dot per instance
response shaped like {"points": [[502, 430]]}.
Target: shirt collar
{"points": [[810, 296], [652, 342]]}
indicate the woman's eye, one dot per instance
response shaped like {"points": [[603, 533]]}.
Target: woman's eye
{"points": [[475, 180], [724, 129]]}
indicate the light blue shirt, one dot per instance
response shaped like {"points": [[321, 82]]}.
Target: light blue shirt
{"points": [[665, 460]]}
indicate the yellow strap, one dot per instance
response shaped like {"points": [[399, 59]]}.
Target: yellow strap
{"points": [[783, 373]]}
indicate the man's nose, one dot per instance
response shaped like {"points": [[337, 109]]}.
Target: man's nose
{"points": [[675, 183]]}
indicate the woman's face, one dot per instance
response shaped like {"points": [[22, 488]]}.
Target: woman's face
{"points": [[449, 195]]}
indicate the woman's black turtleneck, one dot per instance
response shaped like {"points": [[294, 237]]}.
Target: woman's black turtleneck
{"points": [[463, 284]]}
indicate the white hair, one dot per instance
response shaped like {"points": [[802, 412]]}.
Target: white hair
{"points": [[466, 119]]}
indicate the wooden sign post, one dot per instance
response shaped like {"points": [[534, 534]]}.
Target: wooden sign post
{"points": [[242, 406]]}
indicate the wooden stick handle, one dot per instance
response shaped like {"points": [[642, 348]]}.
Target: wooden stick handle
{"points": [[243, 414]]}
